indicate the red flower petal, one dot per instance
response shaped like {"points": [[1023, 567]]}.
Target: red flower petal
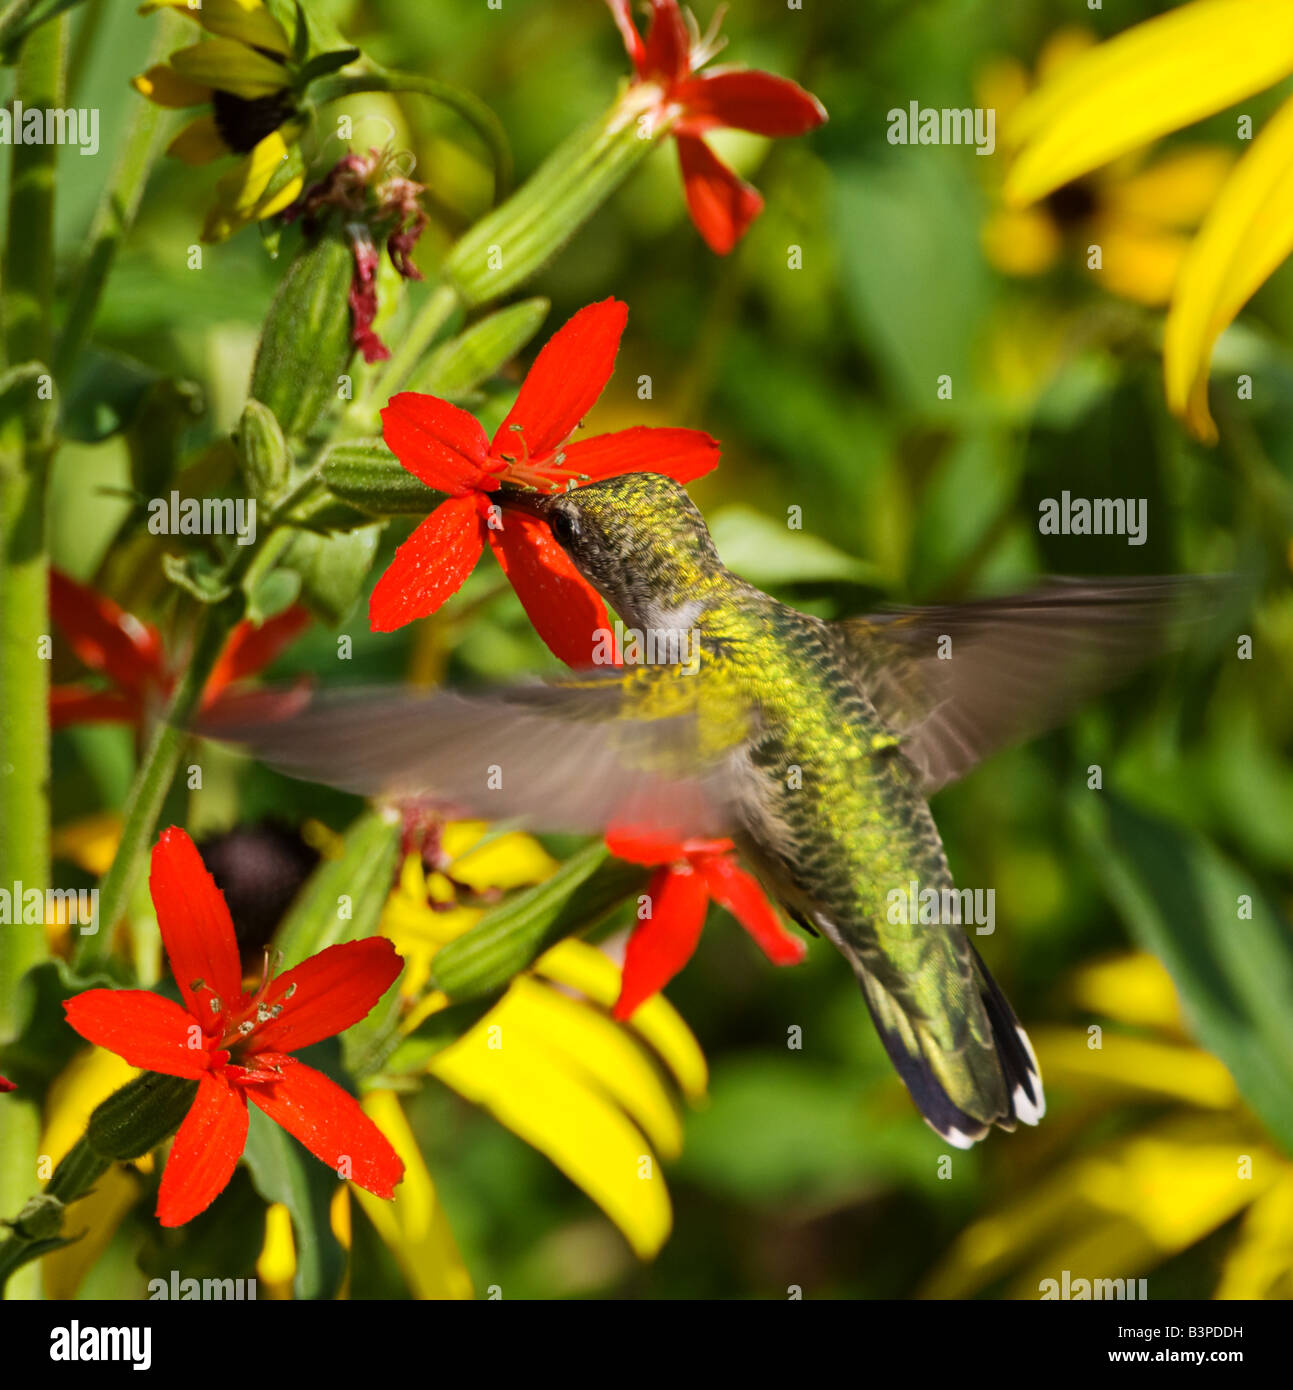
{"points": [[436, 442], [731, 887], [146, 1029], [565, 381], [430, 566], [329, 1123], [654, 846], [679, 454], [722, 206], [197, 930], [666, 941], [566, 610], [623, 17], [74, 704], [667, 52], [105, 637], [745, 100], [205, 1152], [330, 992], [6, 1084], [250, 648]]}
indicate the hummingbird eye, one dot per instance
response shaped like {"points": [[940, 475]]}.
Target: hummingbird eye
{"points": [[565, 526]]}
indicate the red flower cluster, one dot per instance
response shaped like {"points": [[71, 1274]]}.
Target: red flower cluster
{"points": [[237, 1043], [448, 450], [688, 877], [129, 652], [670, 57]]}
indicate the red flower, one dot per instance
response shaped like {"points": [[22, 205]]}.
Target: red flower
{"points": [[236, 1044], [448, 450], [722, 205], [129, 652], [6, 1085], [688, 876]]}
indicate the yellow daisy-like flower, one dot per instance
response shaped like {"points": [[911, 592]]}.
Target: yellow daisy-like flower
{"points": [[240, 72], [1139, 215], [1158, 77]]}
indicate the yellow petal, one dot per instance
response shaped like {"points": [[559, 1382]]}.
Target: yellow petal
{"points": [[413, 1224], [89, 1078], [509, 860], [1248, 233], [1260, 1263], [90, 843], [1022, 241], [276, 1267], [163, 86], [1137, 262], [199, 142], [581, 967], [241, 193], [248, 21], [1157, 77], [230, 67], [1123, 1063], [1174, 191], [570, 1121], [1133, 987], [584, 1040]]}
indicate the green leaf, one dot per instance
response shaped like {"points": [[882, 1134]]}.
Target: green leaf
{"points": [[460, 365], [768, 552], [507, 940], [272, 594], [344, 897], [435, 1033], [283, 1171], [44, 1044], [1182, 900], [332, 569], [104, 396]]}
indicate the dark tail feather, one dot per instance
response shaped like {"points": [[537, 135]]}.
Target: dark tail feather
{"points": [[962, 1096]]}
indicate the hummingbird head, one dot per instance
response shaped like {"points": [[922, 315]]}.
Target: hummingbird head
{"points": [[637, 538]]}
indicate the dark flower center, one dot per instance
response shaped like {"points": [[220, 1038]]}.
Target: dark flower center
{"points": [[1073, 203], [244, 122]]}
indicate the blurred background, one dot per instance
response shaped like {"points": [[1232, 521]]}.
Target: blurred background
{"points": [[814, 353]]}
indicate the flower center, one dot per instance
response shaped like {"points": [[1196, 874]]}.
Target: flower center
{"points": [[252, 1011], [243, 122], [548, 473]]}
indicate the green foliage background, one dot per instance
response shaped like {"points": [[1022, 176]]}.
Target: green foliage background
{"points": [[806, 1167]]}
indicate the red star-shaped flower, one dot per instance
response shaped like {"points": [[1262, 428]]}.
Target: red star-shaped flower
{"points": [[448, 450], [116, 644], [237, 1044], [6, 1084], [670, 57], [688, 877]]}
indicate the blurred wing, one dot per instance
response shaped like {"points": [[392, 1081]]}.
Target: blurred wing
{"points": [[577, 755], [957, 682]]}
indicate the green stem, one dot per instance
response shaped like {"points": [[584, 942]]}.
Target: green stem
{"points": [[419, 336], [116, 212], [26, 450], [475, 112]]}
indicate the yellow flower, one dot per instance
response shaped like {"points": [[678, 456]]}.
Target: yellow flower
{"points": [[1155, 78], [591, 1094], [1139, 215], [240, 72], [1121, 1207]]}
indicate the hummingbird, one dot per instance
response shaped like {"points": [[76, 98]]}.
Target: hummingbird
{"points": [[813, 745]]}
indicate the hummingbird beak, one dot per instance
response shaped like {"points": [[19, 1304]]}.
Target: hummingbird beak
{"points": [[523, 499]]}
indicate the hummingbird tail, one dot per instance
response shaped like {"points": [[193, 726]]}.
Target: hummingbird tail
{"points": [[963, 1094]]}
